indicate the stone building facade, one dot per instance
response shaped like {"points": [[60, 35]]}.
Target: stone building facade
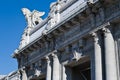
{"points": [[79, 40], [15, 75]]}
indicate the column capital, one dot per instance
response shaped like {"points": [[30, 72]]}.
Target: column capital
{"points": [[46, 58], [94, 36], [54, 55], [106, 30]]}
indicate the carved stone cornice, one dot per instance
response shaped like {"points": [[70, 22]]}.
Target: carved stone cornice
{"points": [[56, 32], [75, 20], [83, 15], [108, 1], [68, 24], [93, 8], [62, 29]]}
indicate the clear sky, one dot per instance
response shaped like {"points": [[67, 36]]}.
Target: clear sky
{"points": [[12, 24]]}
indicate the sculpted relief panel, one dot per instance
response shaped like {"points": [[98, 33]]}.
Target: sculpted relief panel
{"points": [[76, 52]]}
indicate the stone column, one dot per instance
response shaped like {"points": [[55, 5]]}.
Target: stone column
{"points": [[23, 74], [97, 58], [55, 75], [110, 60], [18, 74], [64, 76], [48, 74]]}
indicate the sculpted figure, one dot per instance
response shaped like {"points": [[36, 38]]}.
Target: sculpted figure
{"points": [[28, 17], [54, 14], [32, 18], [36, 17]]}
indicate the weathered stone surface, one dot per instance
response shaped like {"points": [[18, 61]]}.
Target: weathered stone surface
{"points": [[79, 40]]}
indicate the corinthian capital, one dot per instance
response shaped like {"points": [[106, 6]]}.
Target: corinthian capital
{"points": [[95, 36], [106, 30]]}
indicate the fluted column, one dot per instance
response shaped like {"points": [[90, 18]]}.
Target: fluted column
{"points": [[110, 60], [55, 75], [48, 74], [97, 58]]}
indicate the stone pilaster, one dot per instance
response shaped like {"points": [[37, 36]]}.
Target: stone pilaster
{"points": [[48, 73], [55, 75], [110, 60], [97, 58]]}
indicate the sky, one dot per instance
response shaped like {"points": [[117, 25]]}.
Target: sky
{"points": [[12, 24]]}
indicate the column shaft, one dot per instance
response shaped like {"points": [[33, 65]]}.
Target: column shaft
{"points": [[98, 58], [55, 67], [48, 74], [64, 76], [110, 61], [24, 75]]}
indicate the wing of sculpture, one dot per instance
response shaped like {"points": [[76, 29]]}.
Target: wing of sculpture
{"points": [[37, 13], [26, 11], [36, 17]]}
